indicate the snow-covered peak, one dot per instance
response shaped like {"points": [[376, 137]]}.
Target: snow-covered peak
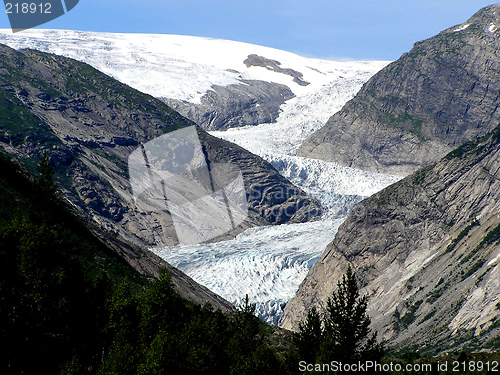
{"points": [[182, 67]]}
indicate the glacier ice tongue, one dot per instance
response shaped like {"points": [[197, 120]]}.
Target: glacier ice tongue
{"points": [[267, 263]]}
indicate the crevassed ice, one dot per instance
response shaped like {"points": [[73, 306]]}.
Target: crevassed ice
{"points": [[269, 263]]}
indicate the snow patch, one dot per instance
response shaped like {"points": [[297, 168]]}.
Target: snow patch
{"points": [[494, 260], [492, 28], [463, 27]]}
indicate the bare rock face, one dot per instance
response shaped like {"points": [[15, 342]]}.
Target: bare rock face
{"points": [[441, 94], [89, 124], [248, 103], [426, 253]]}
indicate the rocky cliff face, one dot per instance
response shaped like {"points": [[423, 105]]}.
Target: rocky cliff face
{"points": [[442, 93], [426, 252], [88, 124], [248, 103]]}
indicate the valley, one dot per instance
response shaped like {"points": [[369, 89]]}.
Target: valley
{"points": [[386, 168], [267, 263]]}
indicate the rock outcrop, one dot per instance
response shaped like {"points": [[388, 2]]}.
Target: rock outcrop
{"points": [[248, 103], [426, 251], [441, 94]]}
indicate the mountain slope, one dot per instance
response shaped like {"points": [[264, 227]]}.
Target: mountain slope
{"points": [[89, 124], [216, 83], [444, 92], [426, 250]]}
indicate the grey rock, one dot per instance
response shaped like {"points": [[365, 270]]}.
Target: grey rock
{"points": [[426, 253], [441, 94], [275, 66], [246, 104]]}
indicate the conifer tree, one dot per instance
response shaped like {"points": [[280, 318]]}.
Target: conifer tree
{"points": [[343, 334], [45, 190], [45, 183], [309, 337], [347, 336]]}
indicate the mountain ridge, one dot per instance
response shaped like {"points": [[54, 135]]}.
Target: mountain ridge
{"points": [[307, 111], [437, 96]]}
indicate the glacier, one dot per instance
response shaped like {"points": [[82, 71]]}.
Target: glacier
{"points": [[269, 263], [266, 263], [179, 66]]}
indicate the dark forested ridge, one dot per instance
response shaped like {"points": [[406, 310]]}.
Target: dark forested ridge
{"points": [[70, 305]]}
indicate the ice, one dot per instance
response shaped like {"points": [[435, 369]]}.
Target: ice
{"points": [[299, 117], [265, 263], [269, 263], [178, 66], [257, 264]]}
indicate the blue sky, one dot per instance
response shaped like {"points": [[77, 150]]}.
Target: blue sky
{"points": [[334, 29]]}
